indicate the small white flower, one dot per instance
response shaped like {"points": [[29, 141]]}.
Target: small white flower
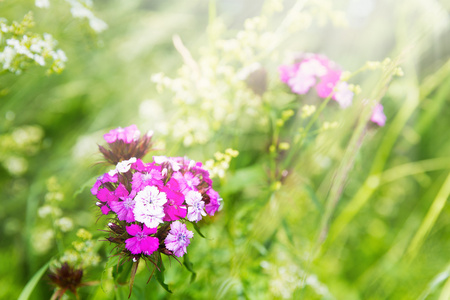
{"points": [[42, 3], [123, 166]]}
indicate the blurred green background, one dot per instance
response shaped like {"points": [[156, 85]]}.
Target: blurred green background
{"points": [[388, 237]]}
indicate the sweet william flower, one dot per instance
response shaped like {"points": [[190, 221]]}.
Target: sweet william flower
{"points": [[171, 161], [148, 208], [152, 176], [178, 238], [214, 202], [127, 134], [187, 181], [196, 206], [124, 208], [141, 242], [101, 180]]}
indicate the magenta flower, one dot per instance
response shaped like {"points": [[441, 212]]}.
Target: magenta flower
{"points": [[142, 242], [214, 202], [187, 181], [152, 176], [106, 195], [127, 135], [178, 238], [124, 208], [174, 208], [196, 206], [378, 116], [101, 180]]}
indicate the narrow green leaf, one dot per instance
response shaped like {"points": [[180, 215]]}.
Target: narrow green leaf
{"points": [[198, 230], [189, 266], [288, 231], [26, 292], [314, 199], [160, 274], [89, 183]]}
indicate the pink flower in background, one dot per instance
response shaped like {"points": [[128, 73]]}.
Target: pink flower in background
{"points": [[287, 72], [343, 95], [196, 206], [378, 116], [127, 135], [141, 242], [317, 70], [178, 238], [301, 83]]}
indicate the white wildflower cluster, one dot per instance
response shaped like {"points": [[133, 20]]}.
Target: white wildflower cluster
{"points": [[42, 3], [218, 167], [214, 91], [50, 215], [82, 9], [83, 253], [288, 278], [19, 49], [17, 145]]}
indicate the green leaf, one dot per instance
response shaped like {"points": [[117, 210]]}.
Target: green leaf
{"points": [[198, 230], [160, 274], [288, 231], [112, 261], [89, 183], [188, 264], [314, 199], [123, 273], [26, 292]]}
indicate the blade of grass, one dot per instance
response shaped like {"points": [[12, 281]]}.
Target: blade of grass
{"points": [[430, 219], [26, 292]]}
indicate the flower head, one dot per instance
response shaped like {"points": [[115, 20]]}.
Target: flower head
{"points": [[378, 116], [178, 238], [196, 206], [148, 208], [127, 134], [141, 242]]}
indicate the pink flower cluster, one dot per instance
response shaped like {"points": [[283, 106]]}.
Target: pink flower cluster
{"points": [[146, 199], [315, 70]]}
